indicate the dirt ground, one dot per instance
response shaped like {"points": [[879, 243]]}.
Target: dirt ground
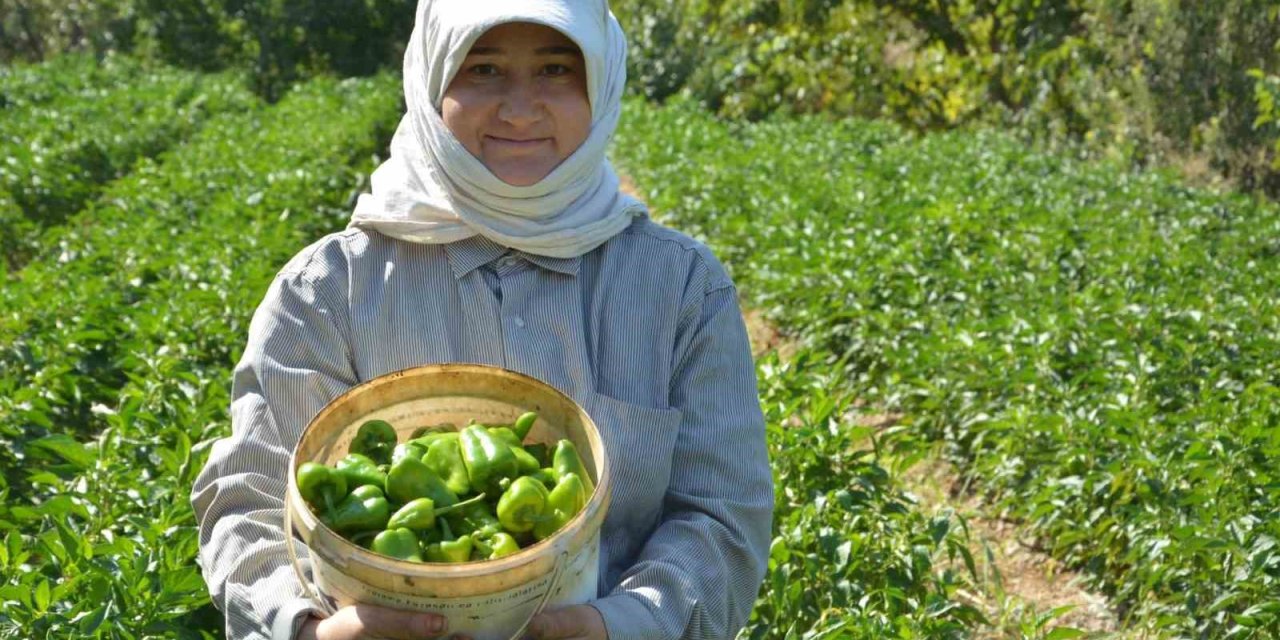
{"points": [[1018, 583]]}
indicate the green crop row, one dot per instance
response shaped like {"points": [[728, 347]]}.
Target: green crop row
{"points": [[1097, 347], [117, 382], [852, 556], [131, 337], [24, 85], [59, 149], [118, 348], [115, 548], [66, 320]]}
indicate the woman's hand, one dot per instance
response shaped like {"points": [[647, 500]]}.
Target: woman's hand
{"points": [[575, 622], [362, 621]]}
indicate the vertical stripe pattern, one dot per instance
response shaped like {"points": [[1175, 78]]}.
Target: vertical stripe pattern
{"points": [[644, 332]]}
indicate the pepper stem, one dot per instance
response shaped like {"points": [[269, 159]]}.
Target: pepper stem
{"points": [[457, 505]]}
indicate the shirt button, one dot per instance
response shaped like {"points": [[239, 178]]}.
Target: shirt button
{"points": [[507, 261], [519, 322]]}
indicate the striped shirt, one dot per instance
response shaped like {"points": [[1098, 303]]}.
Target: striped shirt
{"points": [[644, 331]]}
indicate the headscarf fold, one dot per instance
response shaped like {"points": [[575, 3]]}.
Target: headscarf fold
{"points": [[432, 190]]}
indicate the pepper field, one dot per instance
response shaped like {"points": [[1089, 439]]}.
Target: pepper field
{"points": [[1095, 349]]}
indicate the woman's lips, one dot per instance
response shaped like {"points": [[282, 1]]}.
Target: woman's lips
{"points": [[516, 145]]}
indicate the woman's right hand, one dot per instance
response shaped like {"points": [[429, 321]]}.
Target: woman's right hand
{"points": [[363, 622]]}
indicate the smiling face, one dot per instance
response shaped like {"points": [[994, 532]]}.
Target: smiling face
{"points": [[519, 102]]}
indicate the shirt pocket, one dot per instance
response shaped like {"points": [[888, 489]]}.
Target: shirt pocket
{"points": [[640, 442]]}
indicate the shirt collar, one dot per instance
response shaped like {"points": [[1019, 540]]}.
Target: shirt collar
{"points": [[567, 266], [470, 253]]}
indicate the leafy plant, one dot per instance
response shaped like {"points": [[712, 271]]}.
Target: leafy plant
{"points": [[851, 556], [105, 413], [1266, 93], [70, 128], [1095, 345]]}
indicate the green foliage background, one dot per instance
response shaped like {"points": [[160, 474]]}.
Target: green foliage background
{"points": [[279, 41], [1095, 346], [1144, 80], [1149, 81]]}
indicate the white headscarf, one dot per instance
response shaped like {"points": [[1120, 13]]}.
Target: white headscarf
{"points": [[432, 190]]}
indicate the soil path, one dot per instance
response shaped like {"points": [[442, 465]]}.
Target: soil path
{"points": [[1018, 583]]}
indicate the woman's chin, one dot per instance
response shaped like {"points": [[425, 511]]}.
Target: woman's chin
{"points": [[520, 177]]}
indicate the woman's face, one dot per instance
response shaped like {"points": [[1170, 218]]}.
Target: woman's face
{"points": [[519, 102]]}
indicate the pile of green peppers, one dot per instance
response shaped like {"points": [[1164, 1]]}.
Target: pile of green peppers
{"points": [[448, 495]]}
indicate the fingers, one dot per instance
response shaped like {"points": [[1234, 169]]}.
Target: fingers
{"points": [[547, 625], [367, 621], [568, 622]]}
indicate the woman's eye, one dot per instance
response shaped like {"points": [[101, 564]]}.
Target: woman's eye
{"points": [[556, 70], [484, 69]]}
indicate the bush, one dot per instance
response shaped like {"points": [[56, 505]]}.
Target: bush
{"points": [[1148, 81], [1095, 346], [281, 41]]}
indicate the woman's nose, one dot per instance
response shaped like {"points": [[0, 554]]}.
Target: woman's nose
{"points": [[520, 104]]}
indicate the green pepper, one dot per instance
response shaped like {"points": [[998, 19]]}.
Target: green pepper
{"points": [[566, 460], [431, 535], [539, 452], [421, 513], [398, 543], [477, 519], [449, 549], [365, 509], [487, 457], [498, 545], [444, 457], [321, 485], [376, 439], [547, 476], [525, 462], [443, 427], [569, 494], [358, 469], [365, 538], [432, 438], [563, 503], [408, 450], [458, 550], [523, 424], [411, 478], [521, 505], [506, 435]]}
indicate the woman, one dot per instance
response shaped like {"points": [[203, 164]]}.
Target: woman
{"points": [[496, 234]]}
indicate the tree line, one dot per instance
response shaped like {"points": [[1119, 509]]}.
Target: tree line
{"points": [[1193, 84]]}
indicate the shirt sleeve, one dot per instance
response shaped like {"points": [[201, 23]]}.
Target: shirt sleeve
{"points": [[294, 363], [700, 572]]}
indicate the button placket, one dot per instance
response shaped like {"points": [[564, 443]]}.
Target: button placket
{"points": [[483, 320], [552, 353], [511, 270]]}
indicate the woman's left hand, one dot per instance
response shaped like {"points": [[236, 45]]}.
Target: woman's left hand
{"points": [[574, 622]]}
